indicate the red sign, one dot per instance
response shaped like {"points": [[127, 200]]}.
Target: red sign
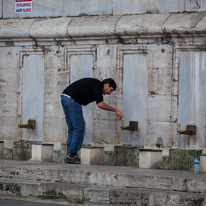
{"points": [[23, 6]]}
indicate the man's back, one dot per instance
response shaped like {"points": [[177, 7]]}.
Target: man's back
{"points": [[85, 90]]}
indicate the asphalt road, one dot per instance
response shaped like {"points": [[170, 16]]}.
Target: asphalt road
{"points": [[22, 203]]}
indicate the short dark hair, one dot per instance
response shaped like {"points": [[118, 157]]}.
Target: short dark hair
{"points": [[111, 82]]}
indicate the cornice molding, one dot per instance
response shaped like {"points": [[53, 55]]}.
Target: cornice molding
{"points": [[98, 27]]}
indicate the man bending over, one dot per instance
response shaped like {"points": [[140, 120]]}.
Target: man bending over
{"points": [[83, 92]]}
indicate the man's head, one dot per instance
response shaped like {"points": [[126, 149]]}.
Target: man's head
{"points": [[109, 86]]}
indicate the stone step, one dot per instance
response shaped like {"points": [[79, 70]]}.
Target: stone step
{"points": [[115, 176], [124, 155], [71, 194]]}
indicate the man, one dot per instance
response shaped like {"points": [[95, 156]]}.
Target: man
{"points": [[83, 92]]}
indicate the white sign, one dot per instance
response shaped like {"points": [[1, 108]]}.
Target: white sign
{"points": [[23, 6]]}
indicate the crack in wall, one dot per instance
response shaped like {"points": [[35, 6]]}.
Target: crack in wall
{"points": [[120, 40]]}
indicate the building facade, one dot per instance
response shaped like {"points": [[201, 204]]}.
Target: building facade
{"points": [[155, 50]]}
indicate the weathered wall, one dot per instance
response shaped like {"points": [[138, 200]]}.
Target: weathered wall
{"points": [[9, 93], [147, 46], [192, 76], [1, 7], [63, 8]]}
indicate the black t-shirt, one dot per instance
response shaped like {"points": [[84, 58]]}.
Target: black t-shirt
{"points": [[85, 91]]}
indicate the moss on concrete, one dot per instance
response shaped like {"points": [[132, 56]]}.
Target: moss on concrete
{"points": [[165, 162], [22, 150], [53, 194], [11, 188], [50, 194], [123, 156], [180, 159], [108, 158], [59, 155], [8, 153]]}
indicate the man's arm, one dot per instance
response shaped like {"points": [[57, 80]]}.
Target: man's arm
{"points": [[104, 106]]}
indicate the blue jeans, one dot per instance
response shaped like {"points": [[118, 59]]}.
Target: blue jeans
{"points": [[75, 123]]}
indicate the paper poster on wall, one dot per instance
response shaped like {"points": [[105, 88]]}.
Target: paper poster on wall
{"points": [[23, 6]]}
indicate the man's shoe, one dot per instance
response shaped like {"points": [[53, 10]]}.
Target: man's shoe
{"points": [[74, 160]]}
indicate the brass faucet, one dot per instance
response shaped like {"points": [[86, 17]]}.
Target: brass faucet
{"points": [[190, 130], [31, 124], [133, 126]]}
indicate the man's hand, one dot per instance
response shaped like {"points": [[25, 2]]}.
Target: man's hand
{"points": [[119, 114], [104, 106]]}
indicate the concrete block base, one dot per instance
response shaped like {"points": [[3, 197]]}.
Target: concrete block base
{"points": [[203, 163], [126, 155], [123, 155], [22, 150], [150, 158], [42, 152], [60, 154], [183, 159], [8, 153], [92, 155], [1, 149]]}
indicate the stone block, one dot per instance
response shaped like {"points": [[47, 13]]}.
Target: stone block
{"points": [[50, 133], [186, 199], [150, 158], [1, 149], [9, 128], [8, 104], [92, 155], [175, 21], [92, 26], [126, 155], [42, 152], [109, 63], [159, 81], [141, 24], [109, 158], [18, 28], [201, 25], [10, 188], [196, 185], [183, 159], [59, 155], [130, 196], [97, 195], [166, 130], [31, 189], [9, 144], [71, 193], [161, 113], [8, 153], [165, 162], [22, 150], [60, 24], [203, 162], [104, 132]]}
